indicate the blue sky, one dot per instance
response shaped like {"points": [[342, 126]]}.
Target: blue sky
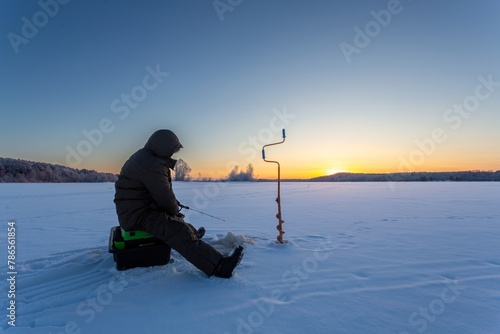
{"points": [[235, 77]]}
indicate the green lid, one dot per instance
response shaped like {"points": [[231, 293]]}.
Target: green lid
{"points": [[134, 235]]}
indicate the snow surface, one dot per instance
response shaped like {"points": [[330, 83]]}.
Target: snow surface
{"points": [[359, 258]]}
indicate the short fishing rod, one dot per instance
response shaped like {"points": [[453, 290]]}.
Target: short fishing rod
{"points": [[203, 213]]}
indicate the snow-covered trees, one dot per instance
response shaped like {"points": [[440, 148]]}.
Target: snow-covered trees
{"points": [[237, 175], [16, 170], [182, 171]]}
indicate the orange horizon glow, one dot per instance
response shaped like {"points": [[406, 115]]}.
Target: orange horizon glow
{"points": [[291, 170]]}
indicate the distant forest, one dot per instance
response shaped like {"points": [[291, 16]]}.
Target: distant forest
{"points": [[412, 177], [16, 170]]}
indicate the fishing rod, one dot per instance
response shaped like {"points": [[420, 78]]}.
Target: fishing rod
{"points": [[278, 199], [203, 213]]}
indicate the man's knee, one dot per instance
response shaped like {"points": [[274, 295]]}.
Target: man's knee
{"points": [[185, 233], [160, 226]]}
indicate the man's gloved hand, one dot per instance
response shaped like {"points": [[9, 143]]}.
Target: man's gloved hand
{"points": [[178, 216]]}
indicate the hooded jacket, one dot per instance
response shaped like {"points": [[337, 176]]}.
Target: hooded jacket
{"points": [[145, 182]]}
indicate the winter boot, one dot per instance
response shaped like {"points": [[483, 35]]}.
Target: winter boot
{"points": [[227, 264]]}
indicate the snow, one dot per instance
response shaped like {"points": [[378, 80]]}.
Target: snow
{"points": [[359, 258]]}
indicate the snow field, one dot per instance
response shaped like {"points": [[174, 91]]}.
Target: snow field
{"points": [[359, 258]]}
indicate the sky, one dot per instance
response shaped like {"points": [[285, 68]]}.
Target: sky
{"points": [[359, 86]]}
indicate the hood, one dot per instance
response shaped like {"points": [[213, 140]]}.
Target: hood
{"points": [[163, 144]]}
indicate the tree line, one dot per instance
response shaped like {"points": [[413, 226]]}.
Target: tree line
{"points": [[474, 175], [182, 173], [17, 170], [23, 171]]}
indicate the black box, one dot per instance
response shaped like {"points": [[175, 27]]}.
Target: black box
{"points": [[144, 252]]}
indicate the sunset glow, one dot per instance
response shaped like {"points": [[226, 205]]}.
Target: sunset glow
{"points": [[404, 97], [335, 171]]}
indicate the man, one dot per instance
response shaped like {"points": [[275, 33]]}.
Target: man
{"points": [[145, 201]]}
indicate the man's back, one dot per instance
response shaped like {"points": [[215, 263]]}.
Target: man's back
{"points": [[145, 183]]}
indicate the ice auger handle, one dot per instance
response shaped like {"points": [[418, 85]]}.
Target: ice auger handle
{"points": [[263, 154], [283, 132]]}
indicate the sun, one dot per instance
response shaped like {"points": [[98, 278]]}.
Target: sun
{"points": [[335, 171]]}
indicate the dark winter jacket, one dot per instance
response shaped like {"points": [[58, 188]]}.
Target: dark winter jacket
{"points": [[145, 183]]}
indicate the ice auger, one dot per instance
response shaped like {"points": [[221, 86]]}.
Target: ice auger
{"points": [[278, 199]]}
